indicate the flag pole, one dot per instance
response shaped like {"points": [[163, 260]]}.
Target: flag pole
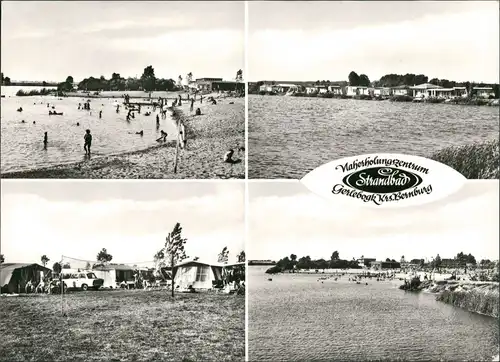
{"points": [[61, 285], [177, 147]]}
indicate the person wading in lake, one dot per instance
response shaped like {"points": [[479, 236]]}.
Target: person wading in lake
{"points": [[100, 114], [45, 140], [88, 142], [192, 104]]}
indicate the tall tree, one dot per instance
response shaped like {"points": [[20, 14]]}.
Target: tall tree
{"points": [[56, 268], [335, 255], [44, 259], [69, 79], [364, 80], [6, 81], [66, 266], [353, 79], [174, 251], [189, 77], [239, 75], [223, 256], [437, 262], [103, 256], [148, 78]]}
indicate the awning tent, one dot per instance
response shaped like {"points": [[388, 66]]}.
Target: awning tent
{"points": [[197, 275], [15, 276]]}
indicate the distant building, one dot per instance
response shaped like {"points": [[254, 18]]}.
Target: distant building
{"points": [[261, 262], [483, 92], [205, 84], [382, 92], [365, 261], [401, 90], [357, 91], [335, 89], [381, 265], [422, 90]]}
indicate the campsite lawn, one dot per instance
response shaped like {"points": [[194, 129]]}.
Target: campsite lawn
{"points": [[123, 325]]}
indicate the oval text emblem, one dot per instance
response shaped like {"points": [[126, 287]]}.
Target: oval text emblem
{"points": [[382, 180]]}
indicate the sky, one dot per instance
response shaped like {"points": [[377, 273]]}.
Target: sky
{"points": [[54, 39], [129, 218], [286, 218], [441, 39]]}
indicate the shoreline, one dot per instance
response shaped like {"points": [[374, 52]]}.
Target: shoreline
{"points": [[202, 158], [461, 102]]}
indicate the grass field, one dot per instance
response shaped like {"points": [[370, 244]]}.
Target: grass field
{"points": [[123, 326]]}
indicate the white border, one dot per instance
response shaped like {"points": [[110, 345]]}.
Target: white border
{"points": [[247, 199]]}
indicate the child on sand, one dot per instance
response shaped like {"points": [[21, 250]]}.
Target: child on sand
{"points": [[228, 157], [163, 137], [88, 141]]}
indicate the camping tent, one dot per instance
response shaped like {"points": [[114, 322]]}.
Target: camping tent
{"points": [[14, 276], [197, 274]]}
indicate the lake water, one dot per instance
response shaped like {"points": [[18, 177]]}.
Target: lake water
{"points": [[296, 317], [290, 136], [22, 143]]}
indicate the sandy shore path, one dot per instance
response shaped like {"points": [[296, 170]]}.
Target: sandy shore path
{"points": [[219, 128]]}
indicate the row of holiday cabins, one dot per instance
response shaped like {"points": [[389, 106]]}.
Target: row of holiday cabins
{"points": [[426, 90]]}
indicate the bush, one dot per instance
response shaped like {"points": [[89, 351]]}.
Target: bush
{"points": [[435, 100], [33, 92], [401, 98]]}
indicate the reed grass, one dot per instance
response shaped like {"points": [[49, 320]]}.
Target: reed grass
{"points": [[474, 161]]}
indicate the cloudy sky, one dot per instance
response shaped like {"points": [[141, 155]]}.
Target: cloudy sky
{"points": [[130, 219], [442, 39], [286, 218], [51, 40]]}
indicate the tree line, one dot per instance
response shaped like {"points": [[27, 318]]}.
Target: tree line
{"points": [[291, 263]]}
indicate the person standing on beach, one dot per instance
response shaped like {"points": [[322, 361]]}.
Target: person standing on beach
{"points": [[88, 141], [45, 140], [201, 98], [180, 100], [100, 114], [192, 104], [157, 119]]}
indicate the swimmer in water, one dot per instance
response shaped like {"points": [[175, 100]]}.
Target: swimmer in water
{"points": [[34, 122], [88, 142], [23, 121], [77, 123], [140, 133], [100, 114]]}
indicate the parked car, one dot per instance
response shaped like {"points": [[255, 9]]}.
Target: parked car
{"points": [[81, 280]]}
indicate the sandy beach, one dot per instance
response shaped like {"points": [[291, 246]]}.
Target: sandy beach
{"points": [[210, 135]]}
